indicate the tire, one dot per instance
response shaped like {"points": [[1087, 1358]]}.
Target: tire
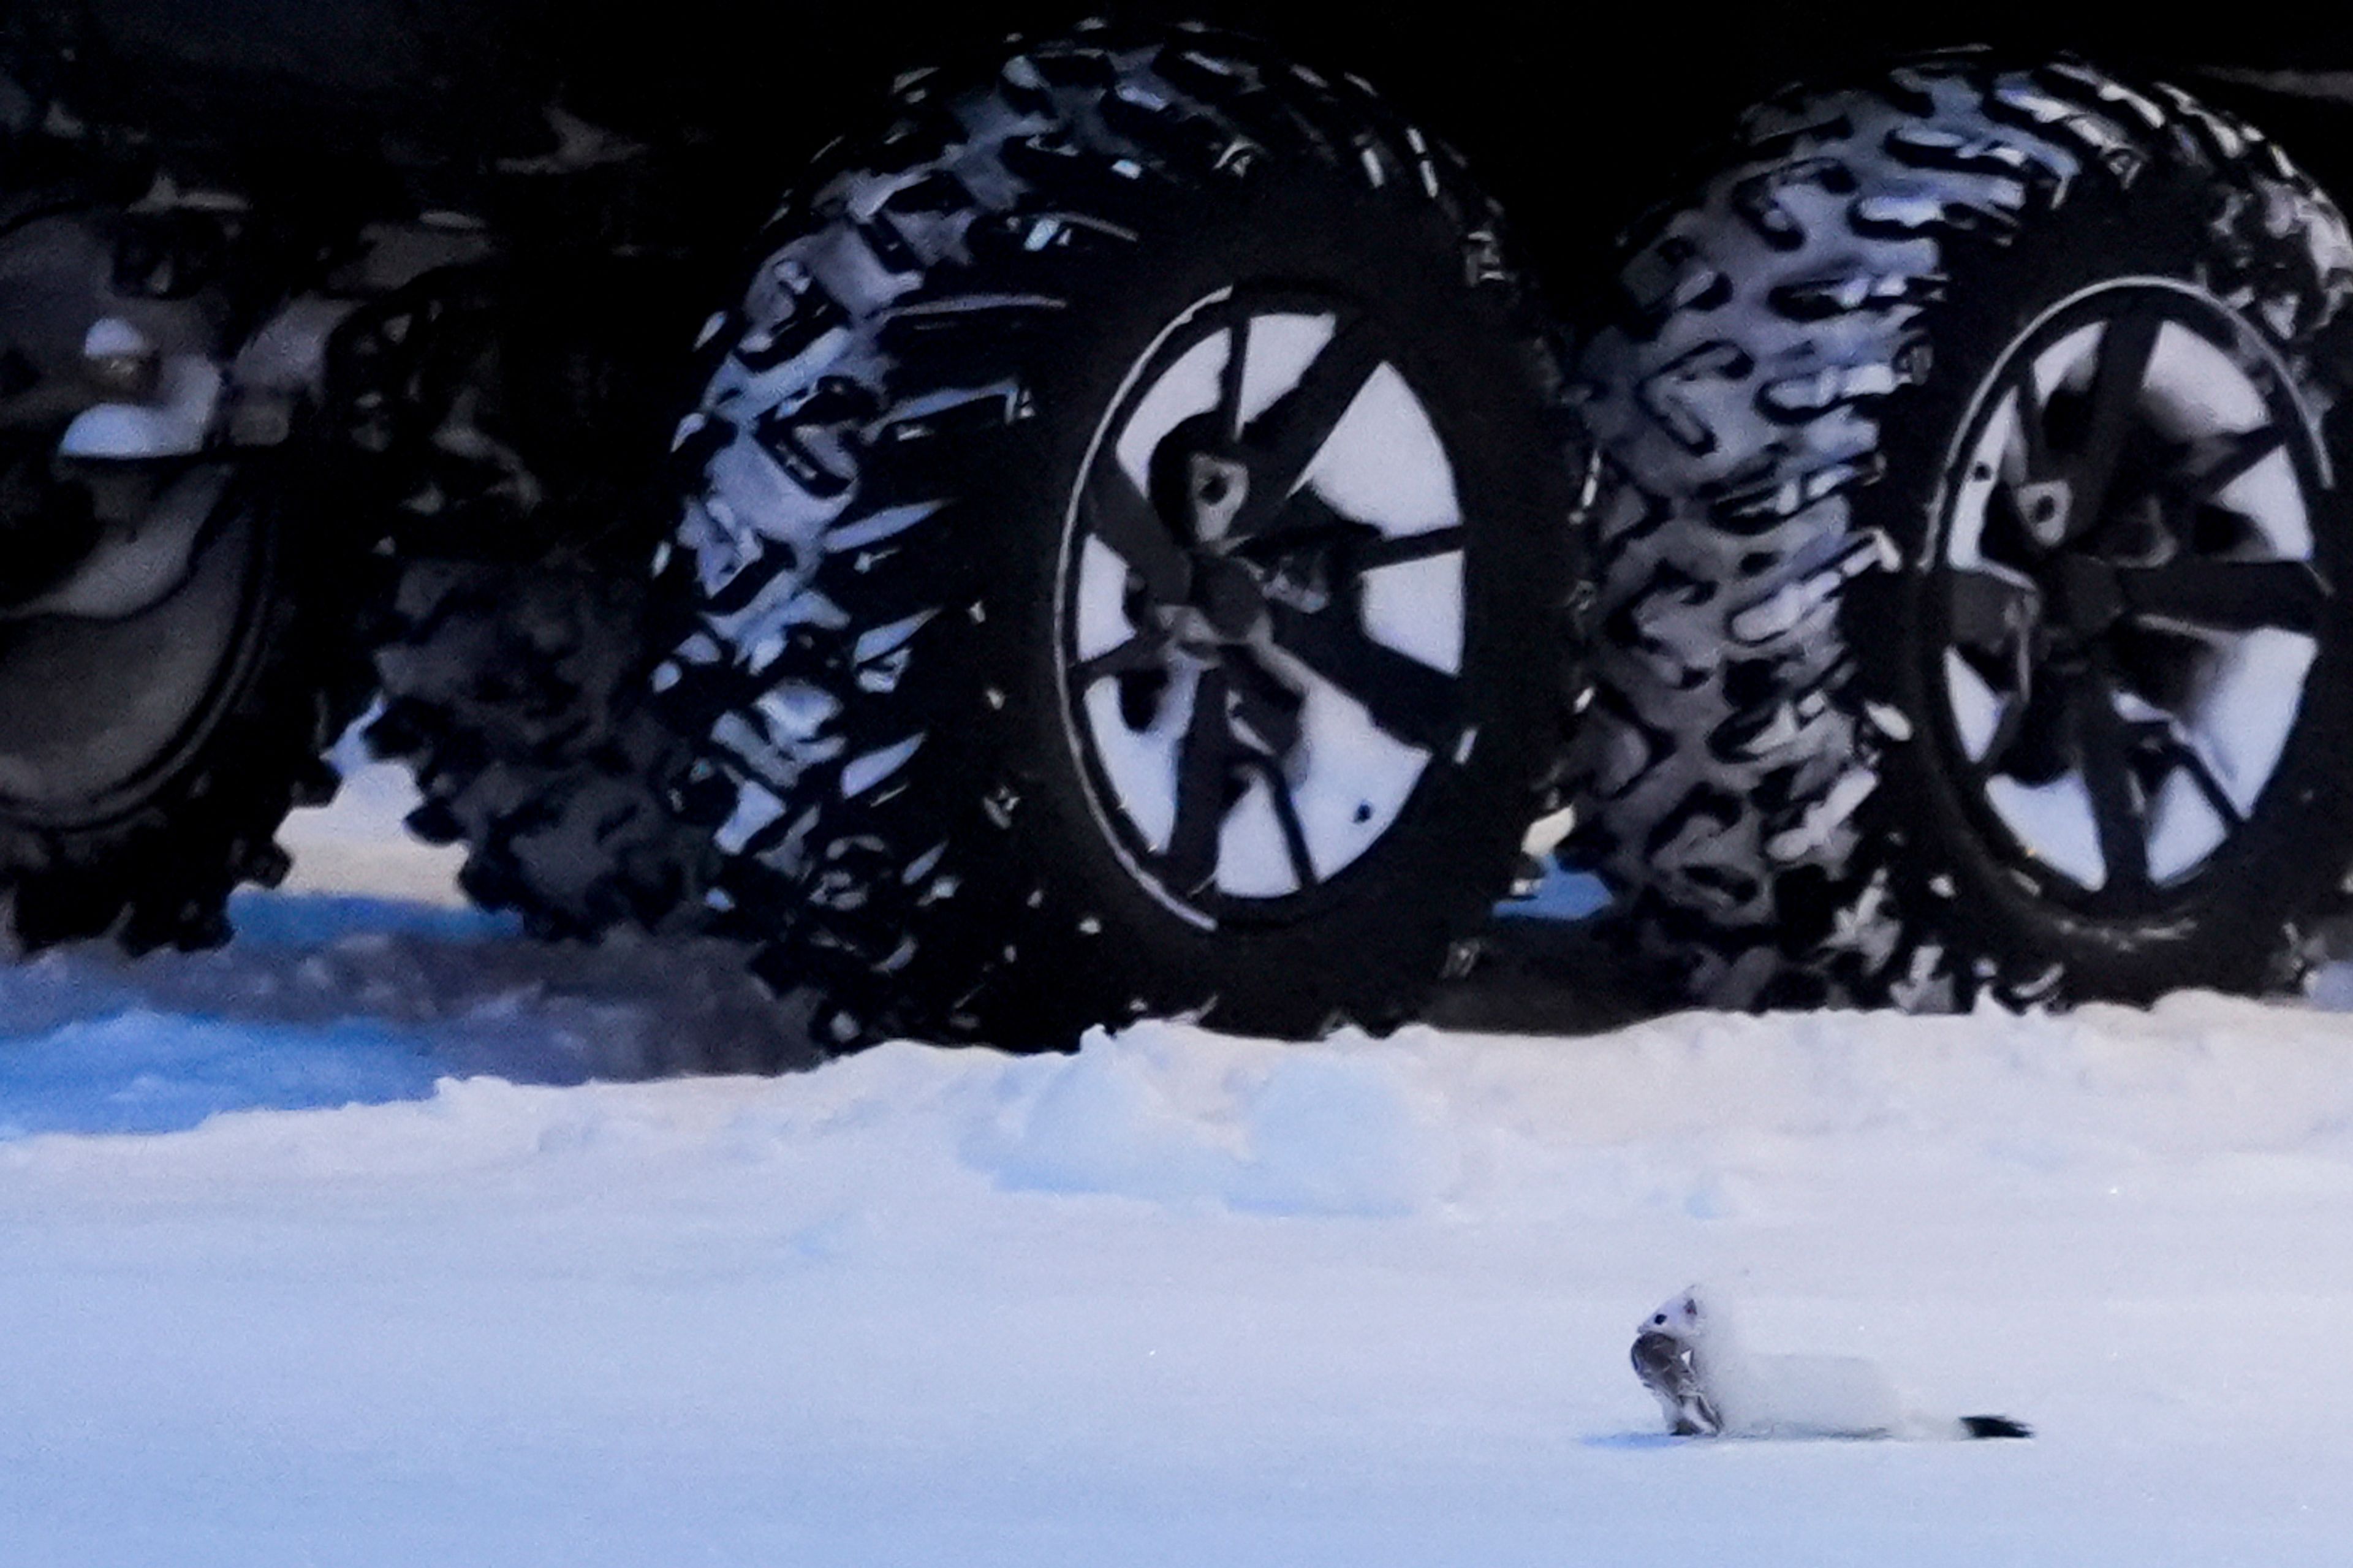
{"points": [[937, 821], [177, 648], [515, 693], [514, 649], [1911, 685]]}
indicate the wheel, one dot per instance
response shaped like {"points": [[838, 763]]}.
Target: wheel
{"points": [[481, 418], [1130, 542], [514, 690], [1970, 609], [175, 652]]}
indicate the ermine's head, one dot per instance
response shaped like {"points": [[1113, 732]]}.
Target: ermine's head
{"points": [[1684, 1316], [1669, 1350]]}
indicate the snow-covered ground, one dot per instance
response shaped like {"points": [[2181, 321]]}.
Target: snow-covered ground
{"points": [[325, 1249]]}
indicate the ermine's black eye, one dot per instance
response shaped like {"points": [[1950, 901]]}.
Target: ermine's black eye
{"points": [[1660, 1318]]}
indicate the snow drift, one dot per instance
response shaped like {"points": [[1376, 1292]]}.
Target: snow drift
{"points": [[331, 1248]]}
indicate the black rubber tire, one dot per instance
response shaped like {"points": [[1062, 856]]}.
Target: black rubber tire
{"points": [[1794, 355], [149, 849], [514, 650], [515, 692], [914, 380]]}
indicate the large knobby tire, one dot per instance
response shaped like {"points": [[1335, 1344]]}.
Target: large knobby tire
{"points": [[514, 650], [515, 692], [178, 645], [1047, 678], [1971, 612]]}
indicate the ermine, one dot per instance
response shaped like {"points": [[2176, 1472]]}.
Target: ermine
{"points": [[1689, 1354]]}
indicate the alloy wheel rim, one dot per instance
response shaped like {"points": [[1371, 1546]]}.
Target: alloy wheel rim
{"points": [[1263, 603], [2126, 594]]}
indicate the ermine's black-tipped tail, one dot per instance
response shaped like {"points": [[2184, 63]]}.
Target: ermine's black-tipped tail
{"points": [[1995, 1427]]}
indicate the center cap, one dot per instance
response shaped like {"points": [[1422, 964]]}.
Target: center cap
{"points": [[1228, 594], [2089, 598]]}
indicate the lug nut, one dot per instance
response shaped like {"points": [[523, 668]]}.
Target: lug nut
{"points": [[119, 358]]}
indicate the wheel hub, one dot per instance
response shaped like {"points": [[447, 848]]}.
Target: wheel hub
{"points": [[2126, 591], [45, 527], [2085, 603], [1228, 596], [129, 574], [1261, 602]]}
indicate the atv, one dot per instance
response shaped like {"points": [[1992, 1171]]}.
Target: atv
{"points": [[1116, 523]]}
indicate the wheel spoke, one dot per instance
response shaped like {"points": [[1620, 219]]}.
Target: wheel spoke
{"points": [[1124, 520], [2104, 749], [2224, 459], [1303, 521], [2228, 595], [1265, 709], [1145, 650], [1286, 815], [1203, 761], [1407, 698], [2184, 754], [1306, 522], [1404, 547], [1230, 381], [1990, 609], [1282, 442], [2126, 345], [2032, 433], [2007, 728]]}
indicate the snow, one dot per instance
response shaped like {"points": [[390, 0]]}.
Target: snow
{"points": [[2248, 707], [384, 1236], [1384, 464], [359, 841], [2055, 823], [2183, 827], [1276, 353], [1416, 608], [1187, 388], [1356, 777], [1141, 764]]}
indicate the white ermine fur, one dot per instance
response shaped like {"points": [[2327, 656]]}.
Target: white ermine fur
{"points": [[1690, 1354]]}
